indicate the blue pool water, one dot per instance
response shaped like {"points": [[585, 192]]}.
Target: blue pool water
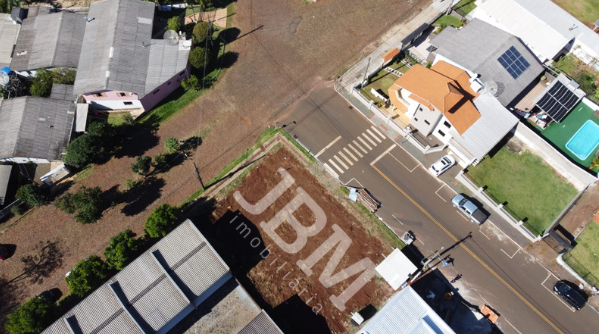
{"points": [[585, 140]]}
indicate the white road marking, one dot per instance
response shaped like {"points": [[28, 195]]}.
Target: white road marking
{"points": [[392, 215], [378, 132], [401, 163], [512, 256], [519, 332], [373, 136], [382, 155], [486, 236], [512, 240], [553, 293], [330, 170], [341, 162], [437, 192], [364, 143], [368, 138], [336, 167], [354, 149], [330, 144], [350, 154], [346, 158], [360, 147], [354, 179]]}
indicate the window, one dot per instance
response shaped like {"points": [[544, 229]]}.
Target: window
{"points": [[447, 125], [156, 91], [128, 103], [99, 94], [415, 119], [441, 133], [427, 123], [123, 94], [169, 83]]}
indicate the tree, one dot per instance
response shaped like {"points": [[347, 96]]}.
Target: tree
{"points": [[174, 23], [200, 32], [200, 57], [41, 85], [142, 165], [32, 317], [159, 160], [82, 150], [161, 221], [88, 202], [63, 75], [122, 249], [191, 83], [65, 203], [32, 195], [594, 163], [87, 275], [171, 145]]}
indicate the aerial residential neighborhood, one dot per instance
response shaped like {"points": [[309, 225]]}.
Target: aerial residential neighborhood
{"points": [[223, 166]]}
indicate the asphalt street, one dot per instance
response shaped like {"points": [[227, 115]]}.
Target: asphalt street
{"points": [[496, 271]]}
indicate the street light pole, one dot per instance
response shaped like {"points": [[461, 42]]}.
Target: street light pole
{"points": [[365, 73]]}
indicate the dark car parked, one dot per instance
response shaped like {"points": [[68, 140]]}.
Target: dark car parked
{"points": [[570, 293]]}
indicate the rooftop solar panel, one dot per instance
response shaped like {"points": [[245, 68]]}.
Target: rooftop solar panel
{"points": [[513, 62], [558, 101]]}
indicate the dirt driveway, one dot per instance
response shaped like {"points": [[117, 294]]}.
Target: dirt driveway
{"points": [[284, 49]]}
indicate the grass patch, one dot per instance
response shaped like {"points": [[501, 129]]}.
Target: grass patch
{"points": [[448, 20], [584, 258], [464, 7], [530, 187], [378, 227], [117, 119], [567, 64], [85, 172], [176, 101], [582, 73], [382, 80], [586, 11], [231, 11]]}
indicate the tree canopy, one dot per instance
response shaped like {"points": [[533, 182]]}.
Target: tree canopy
{"points": [[142, 165], [174, 23], [171, 145], [32, 317], [41, 84], [161, 221], [32, 195], [200, 57], [122, 249], [200, 32], [87, 275], [89, 204]]}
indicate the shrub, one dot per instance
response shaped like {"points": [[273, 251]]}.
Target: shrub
{"points": [[142, 166], [130, 184], [159, 160], [122, 249], [199, 57], [161, 221], [64, 76], [41, 84], [31, 317], [87, 275], [88, 202], [171, 145], [18, 210], [174, 23], [82, 150], [200, 32], [32, 195], [65, 203], [191, 83]]}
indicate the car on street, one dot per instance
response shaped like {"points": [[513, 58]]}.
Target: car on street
{"points": [[473, 212], [442, 165], [3, 252], [570, 293]]}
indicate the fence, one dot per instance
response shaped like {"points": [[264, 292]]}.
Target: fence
{"points": [[577, 266]]}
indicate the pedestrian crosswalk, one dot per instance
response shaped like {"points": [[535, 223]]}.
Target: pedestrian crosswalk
{"points": [[348, 155]]}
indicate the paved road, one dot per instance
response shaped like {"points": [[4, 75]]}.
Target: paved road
{"points": [[496, 271]]}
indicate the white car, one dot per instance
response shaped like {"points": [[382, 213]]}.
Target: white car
{"points": [[441, 165]]}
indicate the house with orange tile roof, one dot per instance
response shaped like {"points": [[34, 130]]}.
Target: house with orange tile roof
{"points": [[446, 102]]}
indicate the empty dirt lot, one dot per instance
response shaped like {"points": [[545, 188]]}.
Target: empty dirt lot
{"points": [[277, 282], [285, 48]]}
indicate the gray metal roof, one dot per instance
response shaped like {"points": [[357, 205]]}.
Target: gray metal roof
{"points": [[477, 46], [405, 313], [4, 179], [154, 292], [262, 324], [62, 92], [35, 127], [493, 125], [52, 40], [119, 53], [8, 37]]}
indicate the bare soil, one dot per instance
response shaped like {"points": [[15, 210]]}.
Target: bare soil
{"points": [[285, 48], [277, 279]]}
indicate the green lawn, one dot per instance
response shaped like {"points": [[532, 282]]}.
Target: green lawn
{"points": [[587, 11], [584, 258], [560, 133], [530, 187], [383, 80], [448, 20], [464, 7]]}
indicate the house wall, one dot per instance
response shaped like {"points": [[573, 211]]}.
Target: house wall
{"points": [[22, 160], [441, 131], [425, 120], [112, 100], [585, 53], [153, 98]]}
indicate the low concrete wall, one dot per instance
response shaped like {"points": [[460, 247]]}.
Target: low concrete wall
{"points": [[577, 176]]}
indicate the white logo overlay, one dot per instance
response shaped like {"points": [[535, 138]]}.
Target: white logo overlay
{"points": [[339, 241]]}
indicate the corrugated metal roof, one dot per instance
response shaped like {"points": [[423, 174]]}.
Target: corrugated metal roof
{"points": [[62, 92], [52, 40], [262, 324], [492, 127], [8, 37], [155, 289], [396, 269], [406, 313], [35, 127], [81, 117], [4, 179], [138, 64], [477, 46]]}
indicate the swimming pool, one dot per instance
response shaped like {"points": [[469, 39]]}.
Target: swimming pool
{"points": [[585, 140]]}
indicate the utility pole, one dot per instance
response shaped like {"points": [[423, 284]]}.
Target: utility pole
{"points": [[365, 73], [198, 176]]}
